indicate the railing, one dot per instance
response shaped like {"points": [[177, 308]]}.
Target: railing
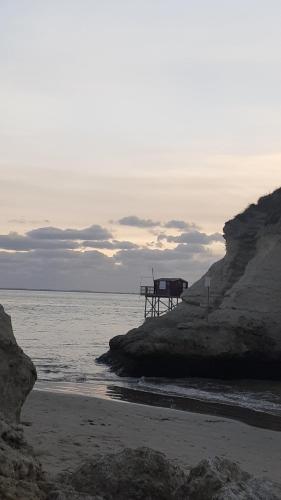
{"points": [[147, 290]]}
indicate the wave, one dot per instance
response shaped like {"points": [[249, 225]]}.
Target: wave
{"points": [[255, 401]]}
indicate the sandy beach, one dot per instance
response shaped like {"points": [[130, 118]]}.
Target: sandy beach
{"points": [[66, 429]]}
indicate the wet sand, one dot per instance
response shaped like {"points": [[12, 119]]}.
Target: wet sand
{"points": [[251, 417], [65, 429]]}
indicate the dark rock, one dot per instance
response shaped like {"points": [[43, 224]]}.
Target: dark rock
{"points": [[141, 474], [21, 476], [17, 372], [221, 479], [70, 494], [144, 474]]}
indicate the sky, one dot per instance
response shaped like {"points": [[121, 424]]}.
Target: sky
{"points": [[130, 131]]}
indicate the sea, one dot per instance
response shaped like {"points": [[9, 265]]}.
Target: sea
{"points": [[65, 332]]}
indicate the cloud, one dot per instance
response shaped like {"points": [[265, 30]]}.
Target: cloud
{"points": [[134, 221], [17, 242], [94, 232], [57, 269], [110, 245], [92, 270], [180, 252], [196, 237], [180, 224], [54, 258]]}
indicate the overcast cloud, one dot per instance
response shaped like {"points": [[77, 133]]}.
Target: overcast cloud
{"points": [[133, 220], [15, 241], [180, 224], [94, 232], [92, 259], [92, 270], [191, 237]]}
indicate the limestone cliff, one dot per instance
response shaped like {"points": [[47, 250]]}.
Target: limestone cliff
{"points": [[240, 334], [247, 279]]}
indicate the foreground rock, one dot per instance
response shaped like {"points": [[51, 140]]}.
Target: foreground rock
{"points": [[17, 373], [133, 474], [144, 474], [220, 479], [240, 334], [21, 476]]}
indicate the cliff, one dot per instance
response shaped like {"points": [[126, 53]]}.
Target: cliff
{"points": [[240, 334]]}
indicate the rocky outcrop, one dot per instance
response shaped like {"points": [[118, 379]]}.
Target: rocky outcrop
{"points": [[221, 479], [21, 476], [17, 372], [140, 474], [238, 334], [144, 474]]}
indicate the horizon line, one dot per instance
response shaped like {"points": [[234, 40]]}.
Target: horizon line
{"points": [[66, 291]]}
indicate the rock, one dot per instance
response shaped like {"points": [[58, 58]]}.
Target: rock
{"points": [[239, 335], [144, 474], [21, 476], [220, 479], [70, 494], [140, 474], [17, 372]]}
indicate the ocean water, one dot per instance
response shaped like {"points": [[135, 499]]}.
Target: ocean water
{"points": [[64, 333]]}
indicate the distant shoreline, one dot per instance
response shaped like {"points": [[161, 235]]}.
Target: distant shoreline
{"points": [[65, 291]]}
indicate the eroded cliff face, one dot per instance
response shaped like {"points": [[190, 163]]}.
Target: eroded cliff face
{"points": [[247, 279], [240, 334]]}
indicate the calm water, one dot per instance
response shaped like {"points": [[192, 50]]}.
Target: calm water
{"points": [[63, 333]]}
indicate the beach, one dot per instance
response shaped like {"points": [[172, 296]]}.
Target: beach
{"points": [[65, 429]]}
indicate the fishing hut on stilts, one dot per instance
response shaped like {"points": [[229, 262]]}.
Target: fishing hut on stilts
{"points": [[163, 296]]}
